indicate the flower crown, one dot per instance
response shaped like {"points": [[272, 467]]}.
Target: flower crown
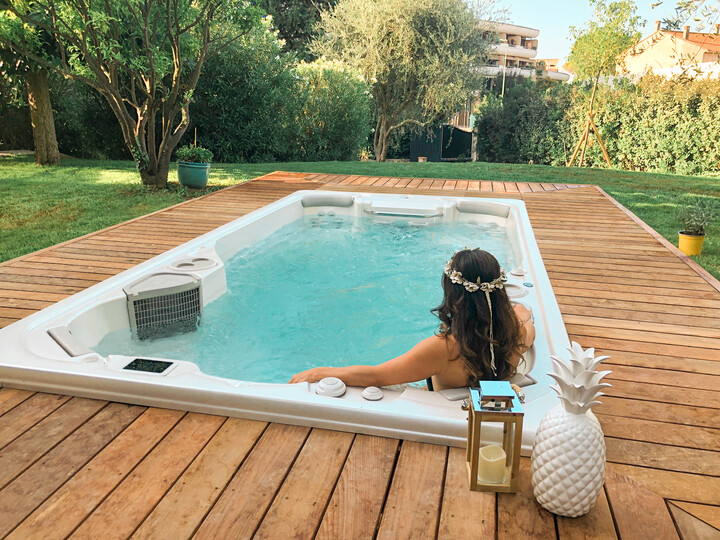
{"points": [[485, 286]]}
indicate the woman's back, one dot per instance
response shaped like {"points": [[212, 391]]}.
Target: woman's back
{"points": [[455, 375]]}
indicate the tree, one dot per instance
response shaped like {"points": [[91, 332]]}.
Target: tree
{"points": [[614, 29], [36, 82], [295, 21], [144, 56], [421, 58], [700, 12], [596, 51]]}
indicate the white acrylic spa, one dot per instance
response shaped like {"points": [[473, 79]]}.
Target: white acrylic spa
{"points": [[54, 350]]}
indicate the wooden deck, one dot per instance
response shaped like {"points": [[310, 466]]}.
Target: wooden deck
{"points": [[90, 469]]}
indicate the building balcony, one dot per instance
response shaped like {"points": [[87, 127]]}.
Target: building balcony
{"points": [[500, 50], [493, 71], [513, 29]]}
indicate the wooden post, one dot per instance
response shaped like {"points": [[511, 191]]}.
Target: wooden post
{"points": [[589, 124], [600, 142], [585, 141], [577, 147]]}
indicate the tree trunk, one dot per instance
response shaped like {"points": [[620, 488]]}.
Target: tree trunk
{"points": [[157, 178], [41, 115], [381, 142]]}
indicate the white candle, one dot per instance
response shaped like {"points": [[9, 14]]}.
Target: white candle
{"points": [[491, 464]]}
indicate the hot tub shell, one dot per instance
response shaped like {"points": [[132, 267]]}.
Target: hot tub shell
{"points": [[51, 351]]}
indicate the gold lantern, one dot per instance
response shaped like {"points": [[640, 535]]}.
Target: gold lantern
{"points": [[494, 467]]}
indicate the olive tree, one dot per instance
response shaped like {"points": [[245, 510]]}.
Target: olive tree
{"points": [[144, 56], [699, 13], [421, 59]]}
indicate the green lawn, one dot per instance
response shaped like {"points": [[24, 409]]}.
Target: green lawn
{"points": [[40, 207]]}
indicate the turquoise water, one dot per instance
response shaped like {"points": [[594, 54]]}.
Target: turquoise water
{"points": [[324, 290]]}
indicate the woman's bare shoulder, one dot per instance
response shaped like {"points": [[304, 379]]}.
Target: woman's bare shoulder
{"points": [[440, 345], [522, 313]]}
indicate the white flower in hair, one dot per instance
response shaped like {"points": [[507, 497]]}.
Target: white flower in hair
{"points": [[457, 277], [471, 287]]}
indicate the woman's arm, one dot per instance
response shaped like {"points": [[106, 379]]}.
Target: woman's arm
{"points": [[527, 327], [425, 359]]}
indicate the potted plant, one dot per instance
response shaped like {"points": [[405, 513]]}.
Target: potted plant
{"points": [[694, 219], [193, 166]]}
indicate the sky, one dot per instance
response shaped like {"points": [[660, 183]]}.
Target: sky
{"points": [[554, 18]]}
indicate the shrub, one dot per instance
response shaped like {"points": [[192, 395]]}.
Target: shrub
{"points": [[696, 217], [244, 100], [194, 154], [656, 125], [334, 116]]}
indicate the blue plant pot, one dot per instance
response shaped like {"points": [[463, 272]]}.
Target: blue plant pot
{"points": [[193, 175]]}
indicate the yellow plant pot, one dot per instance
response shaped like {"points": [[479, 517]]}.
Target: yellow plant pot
{"points": [[690, 244]]}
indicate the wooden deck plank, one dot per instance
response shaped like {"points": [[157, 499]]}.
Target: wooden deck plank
{"points": [[240, 509], [519, 514], [19, 498], [663, 457], [674, 485], [691, 527], [354, 509], [668, 377], [419, 470], [465, 513], [663, 338], [11, 397], [595, 525], [663, 393], [645, 430], [704, 512], [26, 414], [71, 504], [659, 411], [180, 512], [34, 443], [131, 502], [639, 513], [301, 501], [648, 327]]}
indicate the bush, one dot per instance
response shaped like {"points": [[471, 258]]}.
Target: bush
{"points": [[334, 116], [254, 103], [697, 216], [244, 101], [194, 154], [656, 125]]}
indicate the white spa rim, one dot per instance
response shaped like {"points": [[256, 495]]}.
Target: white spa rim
{"points": [[31, 358]]}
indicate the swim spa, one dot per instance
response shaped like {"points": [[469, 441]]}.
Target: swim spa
{"points": [[109, 341]]}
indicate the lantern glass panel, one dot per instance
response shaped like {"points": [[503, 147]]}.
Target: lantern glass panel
{"points": [[494, 437]]}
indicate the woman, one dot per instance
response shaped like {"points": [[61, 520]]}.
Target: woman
{"points": [[481, 334]]}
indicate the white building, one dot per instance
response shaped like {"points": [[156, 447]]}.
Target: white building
{"points": [[515, 54]]}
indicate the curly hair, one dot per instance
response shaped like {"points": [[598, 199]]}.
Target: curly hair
{"points": [[466, 317]]}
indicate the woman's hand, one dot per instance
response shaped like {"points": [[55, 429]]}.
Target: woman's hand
{"points": [[310, 375]]}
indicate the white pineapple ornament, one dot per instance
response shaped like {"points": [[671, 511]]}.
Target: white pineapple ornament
{"points": [[568, 456]]}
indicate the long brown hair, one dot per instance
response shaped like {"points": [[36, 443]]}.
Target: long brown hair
{"points": [[465, 316]]}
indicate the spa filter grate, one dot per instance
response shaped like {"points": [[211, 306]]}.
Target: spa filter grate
{"points": [[164, 304]]}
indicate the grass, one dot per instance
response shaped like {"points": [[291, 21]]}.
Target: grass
{"points": [[40, 207]]}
